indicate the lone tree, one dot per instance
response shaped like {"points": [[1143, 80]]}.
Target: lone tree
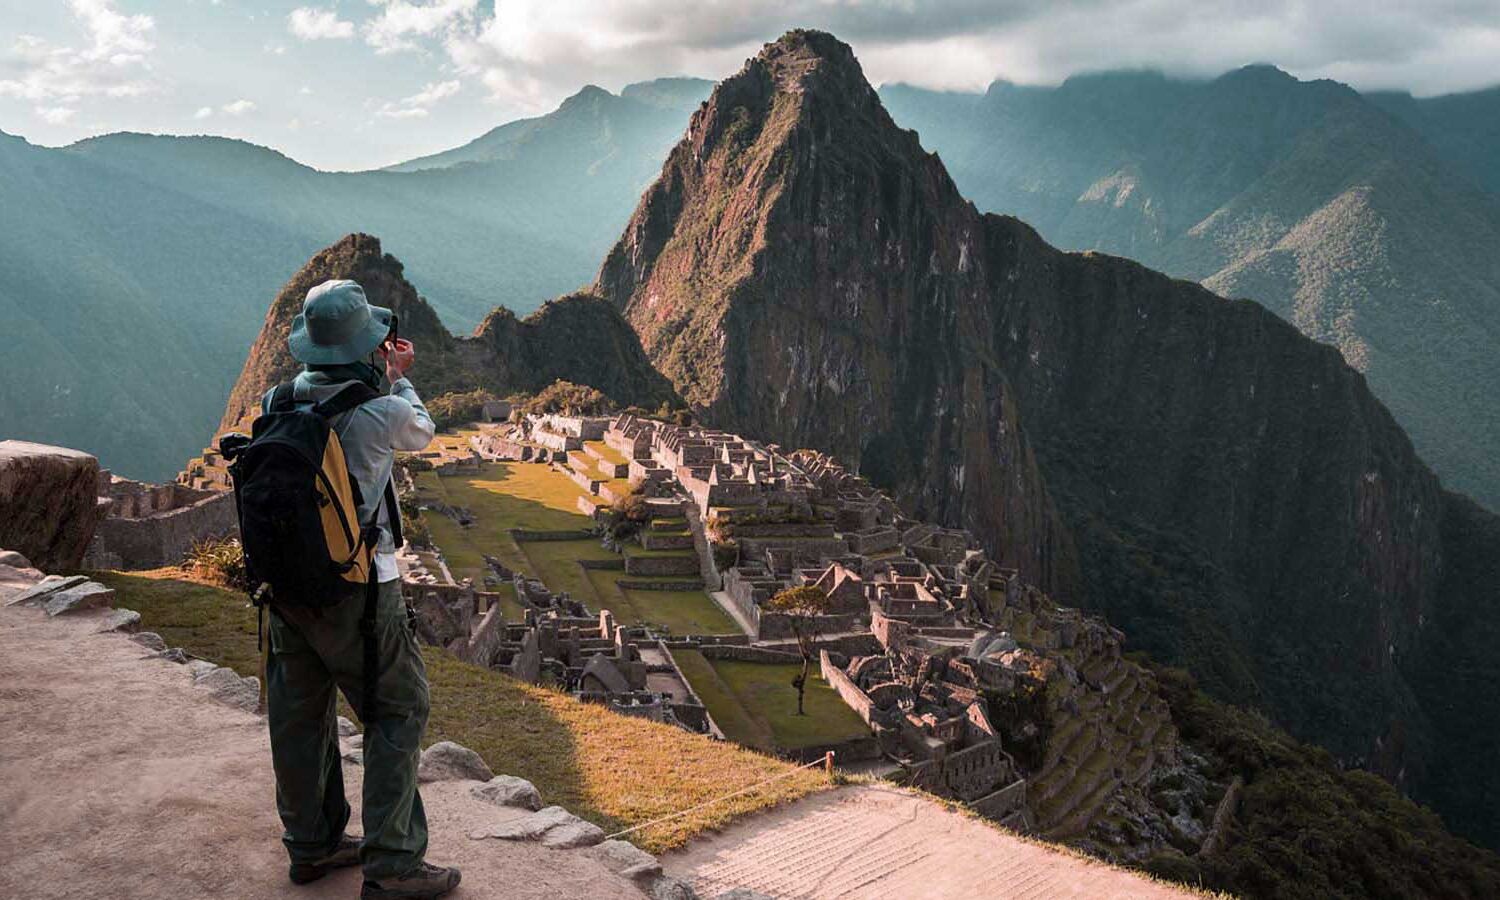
{"points": [[802, 606]]}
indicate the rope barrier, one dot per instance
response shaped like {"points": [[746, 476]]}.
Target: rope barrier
{"points": [[826, 761]]}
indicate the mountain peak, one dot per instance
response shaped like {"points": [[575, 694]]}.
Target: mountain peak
{"points": [[590, 95]]}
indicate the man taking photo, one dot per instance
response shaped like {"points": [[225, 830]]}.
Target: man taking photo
{"points": [[313, 650]]}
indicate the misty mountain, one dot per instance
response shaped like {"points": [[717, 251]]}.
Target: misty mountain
{"points": [[135, 269], [1304, 196]]}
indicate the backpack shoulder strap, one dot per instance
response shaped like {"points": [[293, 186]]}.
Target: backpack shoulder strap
{"points": [[282, 399], [345, 400]]}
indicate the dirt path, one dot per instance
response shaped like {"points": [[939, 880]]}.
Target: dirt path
{"points": [[881, 842], [119, 779]]}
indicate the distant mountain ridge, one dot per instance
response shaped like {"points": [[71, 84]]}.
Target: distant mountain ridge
{"points": [[1305, 196], [135, 268], [1222, 487]]}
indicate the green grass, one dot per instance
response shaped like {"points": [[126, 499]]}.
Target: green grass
{"points": [[607, 453], [613, 770], [208, 621], [521, 495], [755, 704]]}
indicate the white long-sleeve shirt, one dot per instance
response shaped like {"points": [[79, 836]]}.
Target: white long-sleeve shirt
{"points": [[371, 433]]}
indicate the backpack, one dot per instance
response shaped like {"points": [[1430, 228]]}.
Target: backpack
{"points": [[298, 511]]}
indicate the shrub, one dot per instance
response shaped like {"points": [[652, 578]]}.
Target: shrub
{"points": [[726, 554], [569, 399], [219, 561], [629, 514], [458, 408]]}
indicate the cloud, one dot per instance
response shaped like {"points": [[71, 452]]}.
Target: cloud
{"points": [[416, 106], [112, 62], [530, 53], [400, 22], [313, 24], [55, 115], [238, 108], [203, 112]]}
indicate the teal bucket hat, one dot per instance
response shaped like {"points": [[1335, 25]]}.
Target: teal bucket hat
{"points": [[337, 325]]}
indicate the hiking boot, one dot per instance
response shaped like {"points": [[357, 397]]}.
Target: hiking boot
{"points": [[422, 883], [344, 854]]}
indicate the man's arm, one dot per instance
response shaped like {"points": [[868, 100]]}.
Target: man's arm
{"points": [[411, 426]]}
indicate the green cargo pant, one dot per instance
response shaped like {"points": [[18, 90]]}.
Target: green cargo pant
{"points": [[310, 655]]}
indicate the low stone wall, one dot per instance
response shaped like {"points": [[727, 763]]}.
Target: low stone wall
{"points": [[520, 535], [779, 625], [1003, 802], [1222, 814], [700, 641], [750, 654], [661, 565], [784, 529], [165, 538], [636, 584], [847, 690], [616, 564], [655, 540]]}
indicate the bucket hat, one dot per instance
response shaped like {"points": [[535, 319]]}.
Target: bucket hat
{"points": [[337, 325]]}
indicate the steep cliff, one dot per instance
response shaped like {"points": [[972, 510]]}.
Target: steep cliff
{"points": [[579, 338], [803, 271], [1225, 489]]}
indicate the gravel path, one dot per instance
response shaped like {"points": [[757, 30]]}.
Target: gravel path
{"points": [[882, 842], [119, 779]]}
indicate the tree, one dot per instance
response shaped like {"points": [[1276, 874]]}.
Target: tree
{"points": [[803, 606]]}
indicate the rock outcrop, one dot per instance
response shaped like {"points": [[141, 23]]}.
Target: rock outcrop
{"points": [[577, 338], [48, 503], [1226, 490]]}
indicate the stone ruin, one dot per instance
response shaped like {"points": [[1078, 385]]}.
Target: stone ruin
{"points": [[146, 526]]}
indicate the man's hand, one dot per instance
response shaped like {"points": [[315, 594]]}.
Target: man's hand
{"points": [[399, 356]]}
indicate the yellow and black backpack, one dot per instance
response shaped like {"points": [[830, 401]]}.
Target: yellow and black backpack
{"points": [[299, 509]]}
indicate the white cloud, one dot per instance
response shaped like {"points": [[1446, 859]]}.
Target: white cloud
{"points": [[112, 62], [203, 112], [55, 115], [305, 91], [432, 93], [394, 112], [313, 24], [416, 106], [530, 53], [400, 22], [238, 108]]}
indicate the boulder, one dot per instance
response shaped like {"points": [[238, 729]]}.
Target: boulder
{"points": [[14, 560], [508, 790], [447, 761], [744, 894], [37, 594], [120, 620], [51, 500], [89, 595], [200, 667], [175, 655], [672, 889], [553, 827], [150, 640], [227, 687], [346, 727], [629, 861]]}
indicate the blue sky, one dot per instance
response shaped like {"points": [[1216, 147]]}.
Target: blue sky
{"points": [[348, 84]]}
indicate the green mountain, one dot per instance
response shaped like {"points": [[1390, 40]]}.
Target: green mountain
{"points": [[1305, 196], [1464, 128], [135, 269]]}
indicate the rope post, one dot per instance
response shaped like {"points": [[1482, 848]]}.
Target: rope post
{"points": [[828, 763]]}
